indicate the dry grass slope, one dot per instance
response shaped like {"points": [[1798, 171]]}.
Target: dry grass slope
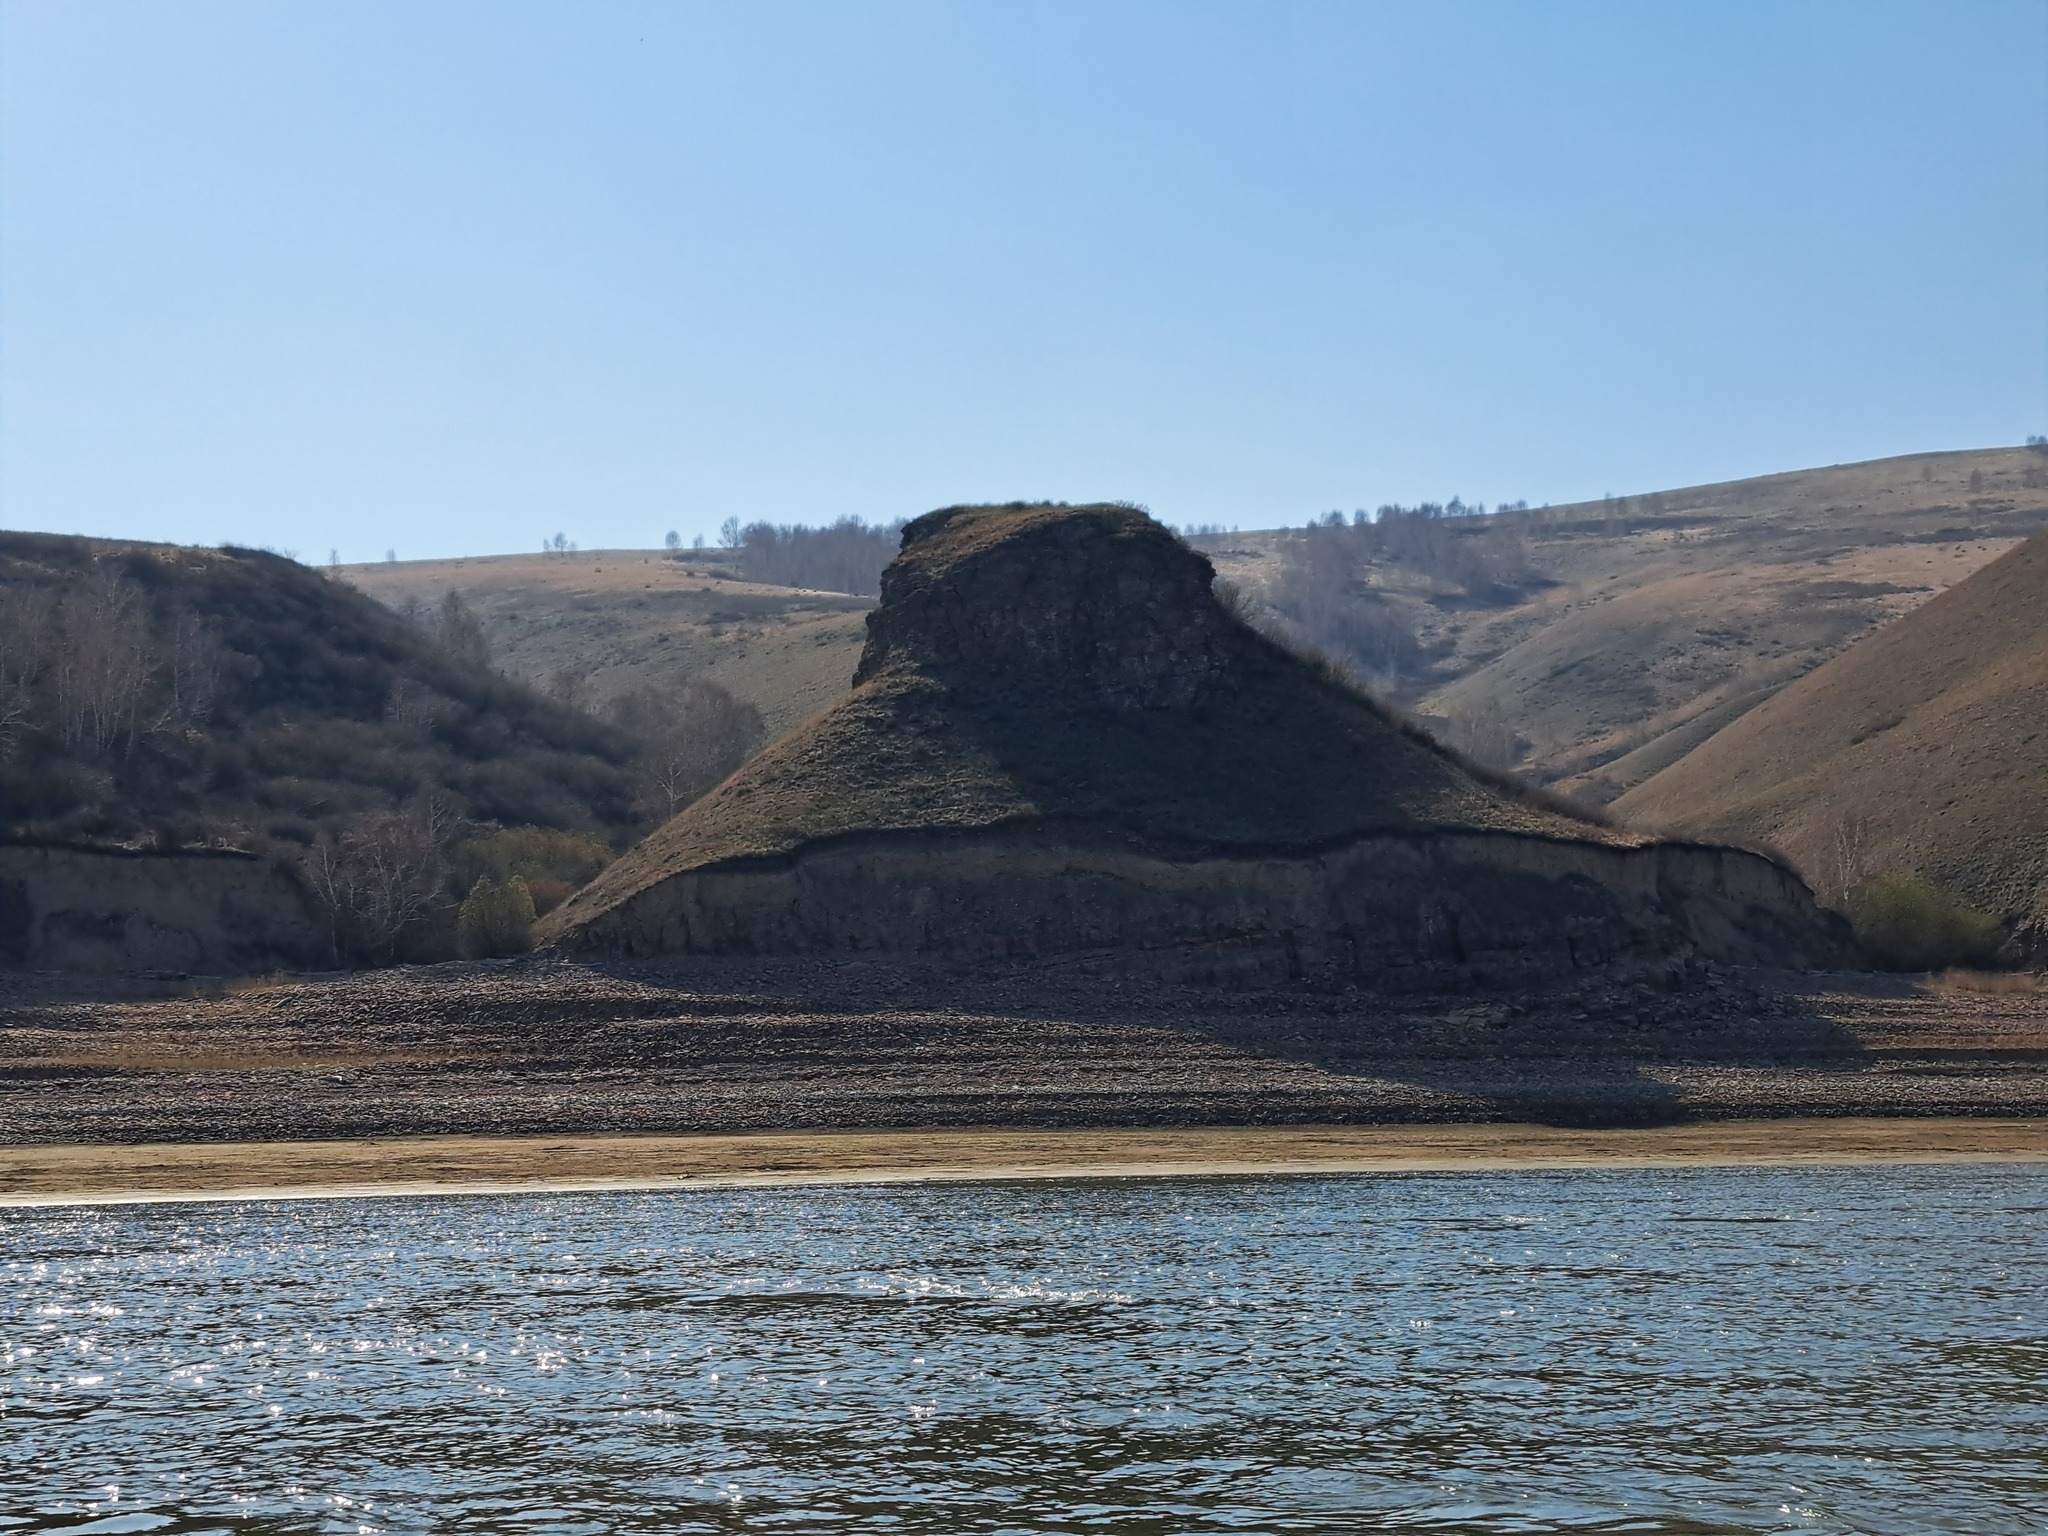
{"points": [[1923, 747], [1648, 623], [628, 618], [1651, 621]]}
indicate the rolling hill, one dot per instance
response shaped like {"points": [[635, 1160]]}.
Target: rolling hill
{"points": [[617, 619], [1923, 748], [1624, 632], [217, 758], [173, 697], [1612, 637]]}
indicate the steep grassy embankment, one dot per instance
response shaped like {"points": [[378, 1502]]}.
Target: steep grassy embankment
{"points": [[1923, 747]]}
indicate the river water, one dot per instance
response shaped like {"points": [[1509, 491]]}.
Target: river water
{"points": [[1838, 1350]]}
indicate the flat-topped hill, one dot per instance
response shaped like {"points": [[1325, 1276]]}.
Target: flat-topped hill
{"points": [[1922, 748], [1070, 664], [1058, 690]]}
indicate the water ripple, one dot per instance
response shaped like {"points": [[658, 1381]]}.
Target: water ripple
{"points": [[1647, 1351]]}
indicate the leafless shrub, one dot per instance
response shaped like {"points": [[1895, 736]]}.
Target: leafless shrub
{"points": [[496, 918], [412, 705], [1486, 735], [567, 686]]}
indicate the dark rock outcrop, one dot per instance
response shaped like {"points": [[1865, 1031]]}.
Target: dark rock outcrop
{"points": [[1061, 743]]}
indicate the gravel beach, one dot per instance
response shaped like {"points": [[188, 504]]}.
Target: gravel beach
{"points": [[540, 1047]]}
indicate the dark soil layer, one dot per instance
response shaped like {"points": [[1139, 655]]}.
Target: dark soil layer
{"points": [[543, 1047]]}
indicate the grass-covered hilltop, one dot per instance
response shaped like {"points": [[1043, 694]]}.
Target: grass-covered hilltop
{"points": [[1061, 739]]}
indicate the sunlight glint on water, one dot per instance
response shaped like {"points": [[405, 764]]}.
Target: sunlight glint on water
{"points": [[1828, 1350]]}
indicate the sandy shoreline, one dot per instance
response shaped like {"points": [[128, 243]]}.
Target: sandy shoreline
{"points": [[448, 1165]]}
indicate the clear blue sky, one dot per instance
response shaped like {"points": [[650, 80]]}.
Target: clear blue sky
{"points": [[450, 277]]}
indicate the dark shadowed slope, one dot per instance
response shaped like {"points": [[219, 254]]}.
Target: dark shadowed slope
{"points": [[172, 697], [1923, 747]]}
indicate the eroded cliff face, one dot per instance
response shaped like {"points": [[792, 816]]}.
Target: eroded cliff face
{"points": [[1486, 906], [1052, 607], [83, 909], [1060, 744]]}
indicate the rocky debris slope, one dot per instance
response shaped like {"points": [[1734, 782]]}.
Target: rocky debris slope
{"points": [[1061, 742], [538, 1047]]}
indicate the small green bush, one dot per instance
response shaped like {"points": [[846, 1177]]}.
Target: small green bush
{"points": [[1905, 922], [496, 919]]}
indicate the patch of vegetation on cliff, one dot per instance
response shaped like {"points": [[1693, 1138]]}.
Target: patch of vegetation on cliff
{"points": [[1905, 922]]}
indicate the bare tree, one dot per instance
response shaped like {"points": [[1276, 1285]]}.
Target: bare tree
{"points": [[104, 663], [28, 624], [188, 673], [378, 877], [1850, 848], [846, 556], [460, 632], [692, 734]]}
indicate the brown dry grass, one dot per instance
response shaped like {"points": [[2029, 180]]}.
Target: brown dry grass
{"points": [[1924, 748], [424, 1164], [1993, 983], [1671, 614], [633, 617], [1652, 636]]}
